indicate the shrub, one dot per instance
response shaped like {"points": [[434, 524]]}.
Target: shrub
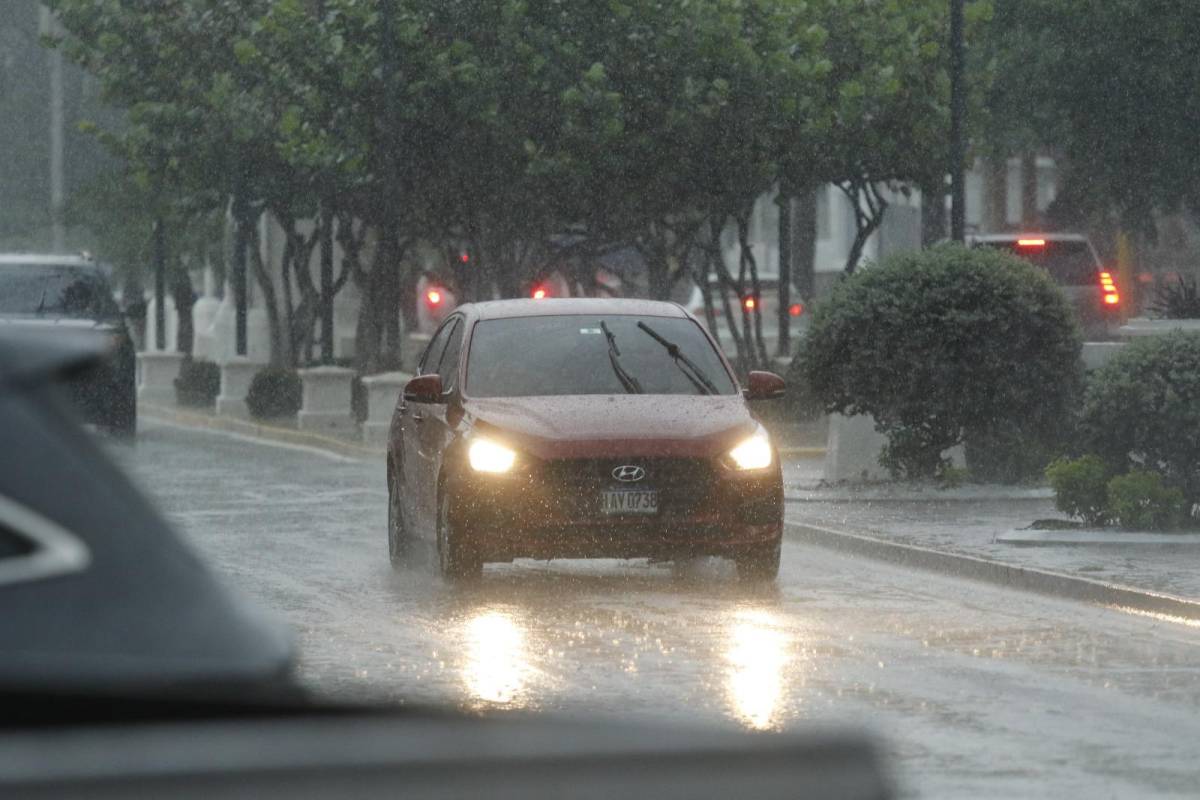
{"points": [[198, 384], [1178, 300], [1081, 488], [1140, 501], [274, 392], [946, 346], [1142, 410]]}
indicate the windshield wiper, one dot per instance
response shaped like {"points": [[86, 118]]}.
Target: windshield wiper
{"points": [[692, 372], [628, 381]]}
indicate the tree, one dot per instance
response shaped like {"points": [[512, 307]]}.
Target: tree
{"points": [[1111, 85]]}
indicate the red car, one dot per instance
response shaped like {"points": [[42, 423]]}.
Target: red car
{"points": [[582, 428]]}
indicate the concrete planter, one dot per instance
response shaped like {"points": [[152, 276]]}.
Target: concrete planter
{"points": [[1143, 326], [852, 452], [325, 406], [157, 371], [236, 375], [383, 393]]}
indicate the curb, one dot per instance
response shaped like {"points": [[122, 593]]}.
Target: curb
{"points": [[258, 430], [1057, 584]]}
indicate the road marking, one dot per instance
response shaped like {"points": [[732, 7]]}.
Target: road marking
{"points": [[241, 437]]}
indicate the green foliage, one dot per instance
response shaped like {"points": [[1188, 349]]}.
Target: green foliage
{"points": [[1065, 78], [1142, 410], [275, 392], [942, 347], [198, 384], [1140, 501], [1178, 300], [1081, 488]]}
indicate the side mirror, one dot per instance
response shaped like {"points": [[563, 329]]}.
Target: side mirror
{"points": [[424, 389], [764, 386]]}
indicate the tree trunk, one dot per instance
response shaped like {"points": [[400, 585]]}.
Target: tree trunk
{"points": [[804, 244], [783, 347], [869, 206], [279, 351], [184, 297], [933, 212]]}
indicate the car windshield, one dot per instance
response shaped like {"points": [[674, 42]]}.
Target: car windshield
{"points": [[1070, 263], [54, 290], [571, 355]]}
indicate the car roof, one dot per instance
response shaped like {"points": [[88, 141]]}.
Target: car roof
{"points": [[1012, 237], [561, 306], [74, 259]]}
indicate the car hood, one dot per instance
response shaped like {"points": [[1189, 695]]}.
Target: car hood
{"points": [[597, 426]]}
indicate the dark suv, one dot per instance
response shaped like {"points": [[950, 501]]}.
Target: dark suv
{"points": [[1072, 262], [71, 296]]}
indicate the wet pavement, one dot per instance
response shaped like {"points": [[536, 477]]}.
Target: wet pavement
{"points": [[976, 691], [957, 523]]}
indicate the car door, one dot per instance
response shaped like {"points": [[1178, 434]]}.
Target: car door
{"points": [[434, 430], [414, 461]]}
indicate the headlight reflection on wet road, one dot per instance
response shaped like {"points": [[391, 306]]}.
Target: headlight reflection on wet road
{"points": [[497, 667], [757, 655]]}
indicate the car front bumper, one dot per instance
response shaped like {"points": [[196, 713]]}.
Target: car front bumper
{"points": [[706, 512]]}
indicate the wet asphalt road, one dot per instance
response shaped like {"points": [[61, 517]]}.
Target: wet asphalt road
{"points": [[976, 691]]}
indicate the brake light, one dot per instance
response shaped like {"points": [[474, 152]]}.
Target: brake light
{"points": [[1031, 242], [539, 293], [1111, 296], [433, 297], [749, 303], [795, 309]]}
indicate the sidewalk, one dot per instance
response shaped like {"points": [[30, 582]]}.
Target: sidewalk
{"points": [[966, 522]]}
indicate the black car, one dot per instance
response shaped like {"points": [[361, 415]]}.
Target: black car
{"points": [[59, 296]]}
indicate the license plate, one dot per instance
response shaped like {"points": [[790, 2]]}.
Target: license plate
{"points": [[629, 502]]}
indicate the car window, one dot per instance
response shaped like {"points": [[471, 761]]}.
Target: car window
{"points": [[433, 351], [571, 355], [55, 290], [448, 364], [1069, 263]]}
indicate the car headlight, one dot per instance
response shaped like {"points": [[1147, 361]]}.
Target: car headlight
{"points": [[754, 452], [487, 456]]}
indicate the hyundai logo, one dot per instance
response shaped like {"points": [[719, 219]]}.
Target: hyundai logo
{"points": [[629, 473]]}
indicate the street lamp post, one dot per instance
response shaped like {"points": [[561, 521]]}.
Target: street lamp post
{"points": [[958, 109]]}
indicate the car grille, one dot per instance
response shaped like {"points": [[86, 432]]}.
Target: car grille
{"points": [[572, 486]]}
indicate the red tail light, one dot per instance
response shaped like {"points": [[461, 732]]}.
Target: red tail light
{"points": [[1031, 242], [433, 297], [539, 293], [795, 309], [749, 303], [1111, 296]]}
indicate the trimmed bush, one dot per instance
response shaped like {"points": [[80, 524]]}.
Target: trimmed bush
{"points": [[275, 392], [1081, 488], [1142, 410], [1140, 501], [198, 384], [948, 346]]}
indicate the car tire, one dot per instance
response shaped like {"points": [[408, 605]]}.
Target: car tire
{"points": [[760, 565], [399, 543], [457, 559]]}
